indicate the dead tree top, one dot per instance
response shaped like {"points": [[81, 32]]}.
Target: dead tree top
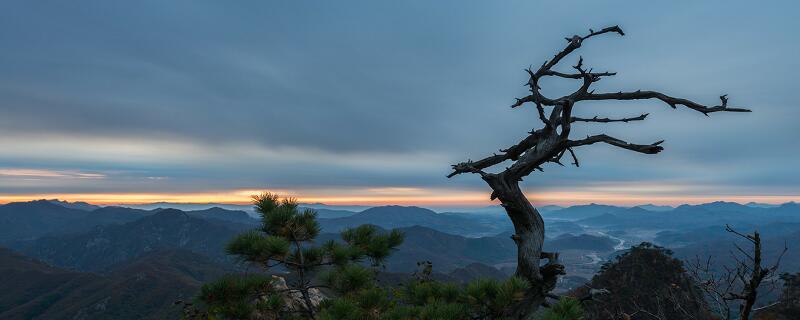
{"points": [[551, 142]]}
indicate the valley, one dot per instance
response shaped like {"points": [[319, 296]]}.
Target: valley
{"points": [[94, 246]]}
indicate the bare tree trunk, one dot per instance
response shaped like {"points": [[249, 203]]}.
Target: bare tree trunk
{"points": [[529, 237], [528, 225], [758, 273], [548, 145], [746, 276]]}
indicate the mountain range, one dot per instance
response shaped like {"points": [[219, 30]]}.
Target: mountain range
{"points": [[104, 237], [389, 217], [83, 251], [144, 288], [107, 245]]}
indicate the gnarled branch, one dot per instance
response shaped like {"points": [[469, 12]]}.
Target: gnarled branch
{"points": [[671, 101], [652, 148], [512, 153], [577, 75], [549, 144], [606, 120]]}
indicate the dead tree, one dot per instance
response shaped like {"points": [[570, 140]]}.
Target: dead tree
{"points": [[740, 283], [549, 144]]}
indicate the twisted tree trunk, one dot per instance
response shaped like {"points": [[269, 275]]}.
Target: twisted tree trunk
{"points": [[548, 145], [529, 237], [528, 225]]}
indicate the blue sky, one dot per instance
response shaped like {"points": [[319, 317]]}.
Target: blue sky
{"points": [[368, 101]]}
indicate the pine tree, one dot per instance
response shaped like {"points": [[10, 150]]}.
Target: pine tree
{"points": [[567, 308], [347, 270], [286, 239]]}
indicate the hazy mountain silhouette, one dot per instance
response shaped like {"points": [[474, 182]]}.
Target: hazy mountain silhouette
{"points": [[75, 205], [399, 217], [144, 288], [30, 220], [580, 211], [217, 213], [108, 245]]}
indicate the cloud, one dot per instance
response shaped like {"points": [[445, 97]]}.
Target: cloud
{"points": [[202, 97], [38, 173]]}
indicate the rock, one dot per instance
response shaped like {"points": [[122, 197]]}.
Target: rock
{"points": [[294, 299]]}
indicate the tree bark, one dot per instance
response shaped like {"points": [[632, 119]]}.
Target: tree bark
{"points": [[528, 225], [529, 237], [548, 145]]}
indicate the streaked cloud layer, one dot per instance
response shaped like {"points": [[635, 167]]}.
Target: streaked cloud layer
{"points": [[370, 102]]}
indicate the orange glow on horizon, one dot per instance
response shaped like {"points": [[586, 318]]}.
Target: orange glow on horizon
{"points": [[408, 196]]}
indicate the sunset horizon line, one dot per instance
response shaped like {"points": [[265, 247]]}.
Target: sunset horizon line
{"points": [[466, 201]]}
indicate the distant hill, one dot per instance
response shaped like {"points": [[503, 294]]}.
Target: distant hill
{"points": [[449, 252], [143, 289], [707, 234], [620, 216], [549, 208], [108, 245], [760, 205], [207, 232], [30, 220], [333, 213], [217, 213], [188, 206], [652, 207], [325, 211], [580, 212], [720, 249], [398, 217], [75, 205], [720, 206], [474, 271], [686, 217], [644, 278], [555, 228]]}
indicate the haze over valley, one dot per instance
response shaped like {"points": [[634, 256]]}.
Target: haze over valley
{"points": [[392, 160], [93, 244]]}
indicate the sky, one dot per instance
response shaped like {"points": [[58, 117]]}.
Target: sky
{"points": [[370, 102]]}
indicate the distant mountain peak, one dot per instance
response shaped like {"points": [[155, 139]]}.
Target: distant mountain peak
{"points": [[38, 202], [168, 215], [80, 205], [396, 209], [791, 204], [761, 205], [634, 210], [654, 207]]}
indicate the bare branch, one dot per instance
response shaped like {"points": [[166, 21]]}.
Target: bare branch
{"points": [[743, 252], [545, 69], [574, 158], [593, 33], [774, 268], [540, 109], [767, 306], [577, 75], [642, 148], [538, 98], [512, 153], [745, 236], [671, 101], [549, 144], [606, 120], [575, 43]]}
